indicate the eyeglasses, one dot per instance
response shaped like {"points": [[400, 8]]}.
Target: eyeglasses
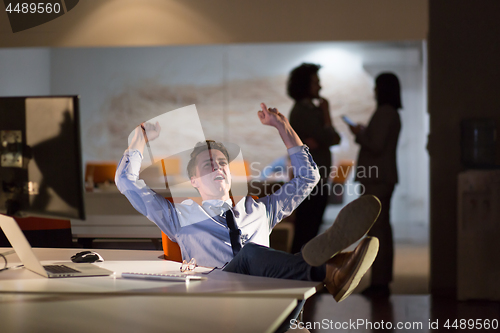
{"points": [[188, 266]]}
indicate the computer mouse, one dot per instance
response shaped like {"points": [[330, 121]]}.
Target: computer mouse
{"points": [[87, 256]]}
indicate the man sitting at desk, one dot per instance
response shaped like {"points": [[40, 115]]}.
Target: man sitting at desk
{"points": [[217, 232]]}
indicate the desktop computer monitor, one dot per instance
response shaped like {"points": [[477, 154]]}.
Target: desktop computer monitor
{"points": [[40, 157]]}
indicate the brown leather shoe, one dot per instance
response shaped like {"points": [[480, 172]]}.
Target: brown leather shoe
{"points": [[345, 270], [352, 223]]}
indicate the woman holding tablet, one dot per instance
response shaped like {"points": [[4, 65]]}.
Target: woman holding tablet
{"points": [[377, 171]]}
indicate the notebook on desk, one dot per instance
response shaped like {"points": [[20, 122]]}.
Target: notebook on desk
{"points": [[30, 261]]}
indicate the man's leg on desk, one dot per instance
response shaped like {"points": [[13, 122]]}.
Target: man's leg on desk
{"points": [[258, 260], [321, 259]]}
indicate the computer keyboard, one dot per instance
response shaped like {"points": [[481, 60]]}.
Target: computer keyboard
{"points": [[56, 269], [164, 277]]}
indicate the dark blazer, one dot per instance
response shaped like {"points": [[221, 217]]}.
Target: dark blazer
{"points": [[377, 156], [308, 121]]}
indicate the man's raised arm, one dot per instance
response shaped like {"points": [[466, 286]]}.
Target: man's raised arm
{"points": [[272, 117], [139, 139], [282, 202]]}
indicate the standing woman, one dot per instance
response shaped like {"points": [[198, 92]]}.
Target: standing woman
{"points": [[314, 126], [377, 172]]}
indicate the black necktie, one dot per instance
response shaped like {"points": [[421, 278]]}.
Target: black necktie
{"points": [[234, 233]]}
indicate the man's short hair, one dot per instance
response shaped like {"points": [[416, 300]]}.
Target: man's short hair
{"points": [[299, 81], [201, 147]]}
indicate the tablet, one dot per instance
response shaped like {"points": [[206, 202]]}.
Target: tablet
{"points": [[348, 121]]}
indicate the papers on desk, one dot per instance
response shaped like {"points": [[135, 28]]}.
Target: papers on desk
{"points": [[172, 277]]}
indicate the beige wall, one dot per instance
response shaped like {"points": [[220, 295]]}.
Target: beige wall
{"points": [[174, 22]]}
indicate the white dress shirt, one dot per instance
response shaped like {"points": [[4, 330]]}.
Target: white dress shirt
{"points": [[201, 231]]}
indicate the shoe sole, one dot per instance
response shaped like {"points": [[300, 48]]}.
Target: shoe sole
{"points": [[353, 222], [367, 257]]}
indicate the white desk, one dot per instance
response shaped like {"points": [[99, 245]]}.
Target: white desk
{"points": [[218, 283], [124, 314], [225, 302]]}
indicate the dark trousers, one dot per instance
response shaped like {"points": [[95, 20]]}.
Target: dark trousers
{"points": [[382, 268], [309, 215], [258, 260]]}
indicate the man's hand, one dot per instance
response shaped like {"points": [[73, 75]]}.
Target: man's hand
{"points": [[152, 131], [271, 116], [139, 140]]}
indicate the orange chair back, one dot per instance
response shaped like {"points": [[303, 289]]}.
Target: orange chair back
{"points": [[171, 249]]}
